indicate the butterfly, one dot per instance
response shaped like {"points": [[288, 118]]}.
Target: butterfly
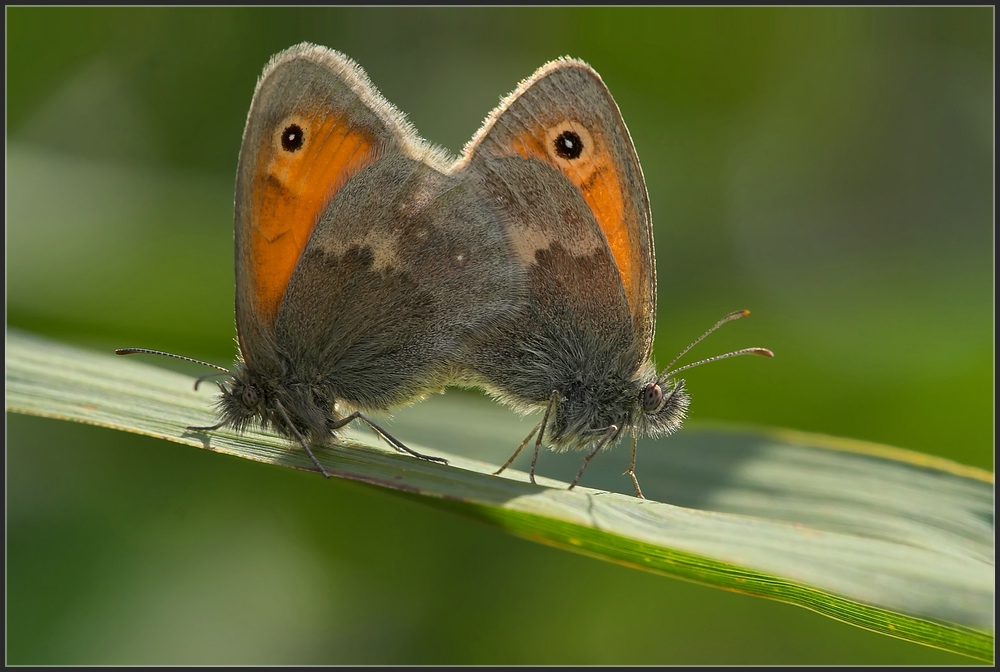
{"points": [[557, 154], [372, 269]]}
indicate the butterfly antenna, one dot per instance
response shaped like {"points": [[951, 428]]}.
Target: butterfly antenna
{"points": [[144, 351], [764, 352], [728, 318], [201, 379]]}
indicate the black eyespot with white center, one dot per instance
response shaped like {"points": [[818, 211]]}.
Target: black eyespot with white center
{"points": [[292, 138], [569, 145], [249, 397], [652, 395]]}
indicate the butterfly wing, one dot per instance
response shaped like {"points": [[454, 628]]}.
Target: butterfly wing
{"points": [[359, 260], [561, 127], [308, 132]]}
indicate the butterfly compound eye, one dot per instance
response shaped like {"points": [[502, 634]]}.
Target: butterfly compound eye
{"points": [[569, 145], [651, 397], [249, 397], [292, 138]]}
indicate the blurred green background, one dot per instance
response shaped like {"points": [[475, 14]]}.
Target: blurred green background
{"points": [[828, 168]]}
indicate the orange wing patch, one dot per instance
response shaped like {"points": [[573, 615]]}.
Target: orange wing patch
{"points": [[585, 160], [300, 169]]}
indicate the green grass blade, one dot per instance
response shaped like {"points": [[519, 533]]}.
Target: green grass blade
{"points": [[878, 537]]}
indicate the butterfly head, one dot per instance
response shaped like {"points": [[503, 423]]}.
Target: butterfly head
{"points": [[290, 407], [661, 407], [589, 404]]}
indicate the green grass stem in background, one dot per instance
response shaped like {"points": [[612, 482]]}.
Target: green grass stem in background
{"points": [[888, 540]]}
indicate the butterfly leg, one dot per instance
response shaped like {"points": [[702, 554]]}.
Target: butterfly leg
{"points": [[301, 439], [516, 452], [631, 468], [553, 402], [610, 433], [393, 441], [540, 428], [206, 429]]}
